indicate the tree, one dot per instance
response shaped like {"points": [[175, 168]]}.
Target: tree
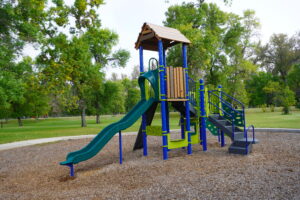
{"points": [[131, 93], [254, 87], [280, 96], [294, 82], [287, 99], [272, 89], [75, 65], [221, 45], [279, 55], [114, 97]]}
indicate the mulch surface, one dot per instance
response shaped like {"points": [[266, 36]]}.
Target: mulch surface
{"points": [[272, 171]]}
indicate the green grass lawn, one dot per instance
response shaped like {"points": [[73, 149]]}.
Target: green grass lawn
{"points": [[66, 126], [273, 119]]}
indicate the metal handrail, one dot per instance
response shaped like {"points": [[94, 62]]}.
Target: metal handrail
{"points": [[224, 101], [253, 133], [227, 114], [192, 89], [229, 105], [231, 97]]}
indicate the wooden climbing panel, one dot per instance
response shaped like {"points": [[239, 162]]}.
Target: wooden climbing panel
{"points": [[175, 84]]}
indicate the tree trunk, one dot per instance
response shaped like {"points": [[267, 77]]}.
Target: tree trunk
{"points": [[97, 119], [20, 121], [83, 120]]}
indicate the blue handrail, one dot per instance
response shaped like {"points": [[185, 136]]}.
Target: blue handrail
{"points": [[253, 133], [232, 116], [192, 91], [231, 97], [226, 103], [230, 106]]}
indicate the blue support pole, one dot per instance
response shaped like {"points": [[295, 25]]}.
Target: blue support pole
{"points": [[182, 126], [222, 139], [141, 59], [163, 100], [203, 116], [120, 148], [165, 80], [71, 166], [187, 103], [144, 123]]}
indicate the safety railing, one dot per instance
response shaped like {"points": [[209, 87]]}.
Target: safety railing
{"points": [[192, 91], [230, 106], [215, 106], [253, 133]]}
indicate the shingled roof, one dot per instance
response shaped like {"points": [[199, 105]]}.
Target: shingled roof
{"points": [[151, 33]]}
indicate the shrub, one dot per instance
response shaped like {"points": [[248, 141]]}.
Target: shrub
{"points": [[272, 108], [264, 107]]}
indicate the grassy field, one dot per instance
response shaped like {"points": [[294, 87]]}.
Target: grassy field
{"points": [[66, 126]]}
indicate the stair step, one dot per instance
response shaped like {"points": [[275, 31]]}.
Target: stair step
{"points": [[249, 139], [217, 117], [238, 135], [240, 150], [224, 122], [240, 143]]}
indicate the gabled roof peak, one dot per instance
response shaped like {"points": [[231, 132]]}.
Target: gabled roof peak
{"points": [[151, 33]]}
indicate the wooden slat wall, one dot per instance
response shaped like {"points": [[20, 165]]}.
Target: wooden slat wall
{"points": [[168, 83], [182, 82], [175, 83], [172, 82]]}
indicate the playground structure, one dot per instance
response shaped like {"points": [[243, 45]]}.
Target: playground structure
{"points": [[172, 86]]}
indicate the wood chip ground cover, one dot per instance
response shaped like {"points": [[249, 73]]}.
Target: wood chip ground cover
{"points": [[272, 171]]}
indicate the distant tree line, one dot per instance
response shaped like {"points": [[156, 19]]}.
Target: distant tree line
{"points": [[225, 51], [74, 52]]}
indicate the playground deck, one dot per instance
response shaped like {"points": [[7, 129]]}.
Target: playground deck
{"points": [[271, 172]]}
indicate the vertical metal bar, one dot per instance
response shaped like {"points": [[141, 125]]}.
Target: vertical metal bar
{"points": [[187, 103], [144, 123], [71, 166], [222, 139], [163, 100], [120, 148], [182, 126], [165, 80], [145, 146], [220, 102], [141, 59], [203, 116]]}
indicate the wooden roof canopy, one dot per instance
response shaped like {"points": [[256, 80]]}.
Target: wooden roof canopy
{"points": [[151, 33]]}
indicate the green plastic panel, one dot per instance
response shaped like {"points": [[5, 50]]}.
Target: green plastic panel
{"points": [[175, 144], [238, 116], [154, 130], [212, 128]]}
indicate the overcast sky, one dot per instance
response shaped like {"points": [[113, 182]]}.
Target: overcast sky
{"points": [[126, 18]]}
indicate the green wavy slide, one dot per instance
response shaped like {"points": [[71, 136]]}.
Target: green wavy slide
{"points": [[107, 133]]}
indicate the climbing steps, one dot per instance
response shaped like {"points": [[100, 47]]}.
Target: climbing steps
{"points": [[240, 144]]}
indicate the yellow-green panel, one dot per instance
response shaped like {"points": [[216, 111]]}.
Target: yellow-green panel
{"points": [[175, 144], [154, 130]]}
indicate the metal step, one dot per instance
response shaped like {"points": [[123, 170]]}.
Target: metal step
{"points": [[224, 122], [249, 139], [240, 150], [241, 143]]}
